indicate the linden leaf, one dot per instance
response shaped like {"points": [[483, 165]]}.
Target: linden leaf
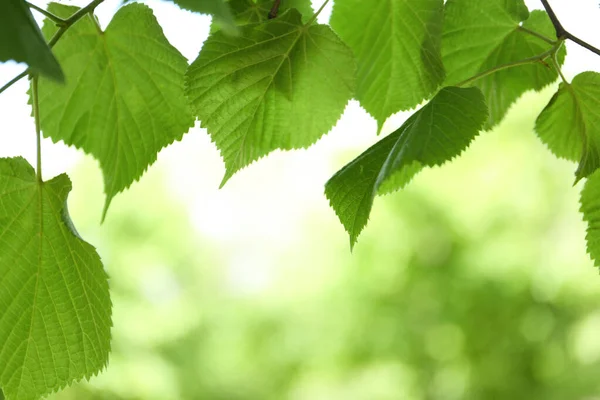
{"points": [[55, 309], [433, 135], [279, 85], [483, 35], [570, 123], [124, 98], [22, 40], [397, 44]]}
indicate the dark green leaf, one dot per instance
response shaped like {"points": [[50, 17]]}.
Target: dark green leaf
{"points": [[22, 41], [433, 135]]}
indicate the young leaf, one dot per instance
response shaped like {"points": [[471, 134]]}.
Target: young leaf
{"points": [[124, 98], [397, 44], [479, 36], [22, 40], [570, 123], [590, 207], [246, 12], [279, 85], [433, 135], [55, 309]]}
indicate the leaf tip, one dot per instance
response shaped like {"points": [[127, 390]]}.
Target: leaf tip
{"points": [[380, 124], [226, 177], [105, 210]]}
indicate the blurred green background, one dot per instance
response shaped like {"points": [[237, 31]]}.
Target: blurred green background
{"points": [[473, 283]]}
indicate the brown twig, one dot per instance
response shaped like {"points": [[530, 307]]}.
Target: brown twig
{"points": [[562, 33], [275, 9]]}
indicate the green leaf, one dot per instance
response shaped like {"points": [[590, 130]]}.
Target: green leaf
{"points": [[55, 309], [479, 36], [399, 179], [124, 97], [397, 44], [22, 40], [433, 135], [219, 9], [279, 85], [590, 207], [246, 12], [570, 123]]}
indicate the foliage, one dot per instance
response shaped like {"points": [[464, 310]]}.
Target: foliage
{"points": [[276, 81], [457, 290]]}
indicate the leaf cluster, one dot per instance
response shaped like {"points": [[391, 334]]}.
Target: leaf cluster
{"points": [[259, 84]]}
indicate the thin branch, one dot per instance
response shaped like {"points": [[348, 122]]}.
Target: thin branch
{"points": [[537, 35], [562, 33], [38, 130], [314, 17], [14, 80], [525, 61], [47, 14], [72, 19], [274, 10], [582, 43], [558, 69]]}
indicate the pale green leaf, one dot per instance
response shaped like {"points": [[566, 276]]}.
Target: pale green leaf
{"points": [[55, 309], [479, 36], [124, 97], [279, 85], [397, 44], [246, 12], [590, 207], [570, 123], [433, 135], [22, 41]]}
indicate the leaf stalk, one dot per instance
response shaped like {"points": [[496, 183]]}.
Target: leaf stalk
{"points": [[530, 60], [14, 80], [314, 17], [537, 35]]}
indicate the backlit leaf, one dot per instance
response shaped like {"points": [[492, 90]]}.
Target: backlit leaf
{"points": [[570, 123], [124, 98], [397, 44], [55, 310], [479, 36], [279, 85]]}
